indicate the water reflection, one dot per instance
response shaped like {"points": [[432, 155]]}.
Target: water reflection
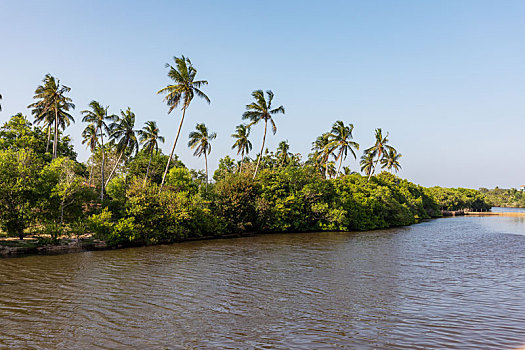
{"points": [[448, 283]]}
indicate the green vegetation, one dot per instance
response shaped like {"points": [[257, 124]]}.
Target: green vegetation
{"points": [[459, 199], [501, 197], [130, 193]]}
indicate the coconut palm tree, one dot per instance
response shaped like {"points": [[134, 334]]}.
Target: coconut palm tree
{"points": [[183, 90], [340, 138], [200, 141], [378, 149], [391, 160], [98, 117], [283, 154], [259, 110], [149, 138], [242, 143], [367, 163], [322, 152], [90, 138], [52, 102], [122, 130]]}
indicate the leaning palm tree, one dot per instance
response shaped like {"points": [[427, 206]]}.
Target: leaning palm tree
{"points": [[183, 90], [200, 141], [149, 138], [122, 131], [391, 160], [378, 149], [340, 137], [98, 118], [242, 143], [52, 101], [262, 110], [90, 138], [322, 152], [367, 163]]}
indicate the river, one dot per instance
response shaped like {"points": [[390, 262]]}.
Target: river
{"points": [[455, 282]]}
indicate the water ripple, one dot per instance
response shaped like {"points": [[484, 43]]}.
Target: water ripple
{"points": [[448, 283]]}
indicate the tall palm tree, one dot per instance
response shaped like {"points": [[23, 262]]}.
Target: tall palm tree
{"points": [[340, 138], [283, 154], [122, 130], [322, 152], [200, 141], [242, 143], [378, 149], [149, 138], [98, 117], [259, 110], [52, 100], [90, 138], [367, 163], [183, 90], [391, 160]]}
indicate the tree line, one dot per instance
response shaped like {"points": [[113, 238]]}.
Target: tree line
{"points": [[146, 197]]}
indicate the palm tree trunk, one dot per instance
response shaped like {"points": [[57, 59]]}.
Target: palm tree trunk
{"points": [[326, 167], [55, 141], [242, 161], [206, 166], [91, 173], [147, 170], [262, 148], [103, 164], [373, 168], [340, 162], [114, 168], [172, 150]]}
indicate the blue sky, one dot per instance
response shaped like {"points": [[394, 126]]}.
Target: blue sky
{"points": [[445, 78]]}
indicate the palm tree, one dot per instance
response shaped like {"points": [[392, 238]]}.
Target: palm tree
{"points": [[182, 91], [391, 160], [262, 110], [367, 163], [242, 143], [122, 131], [90, 138], [322, 152], [52, 101], [200, 141], [98, 118], [378, 149], [282, 153], [340, 137], [149, 138]]}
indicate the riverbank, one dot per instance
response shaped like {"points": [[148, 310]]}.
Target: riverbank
{"points": [[15, 248]]}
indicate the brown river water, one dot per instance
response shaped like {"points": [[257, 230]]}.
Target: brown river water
{"points": [[452, 283]]}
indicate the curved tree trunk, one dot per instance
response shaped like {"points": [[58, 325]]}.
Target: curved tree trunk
{"points": [[262, 148], [147, 170], [206, 167], [91, 173], [374, 167], [242, 161], [172, 150], [340, 158], [55, 141], [103, 164], [114, 168]]}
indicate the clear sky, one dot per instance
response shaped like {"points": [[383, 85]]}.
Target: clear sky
{"points": [[445, 78]]}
